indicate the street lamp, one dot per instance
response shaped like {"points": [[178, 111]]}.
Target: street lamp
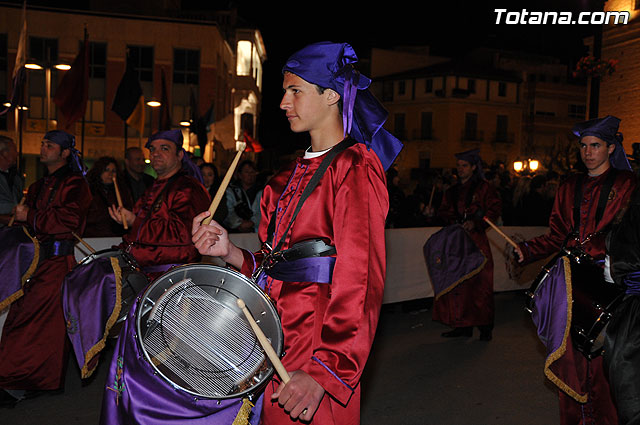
{"points": [[153, 104], [33, 65]]}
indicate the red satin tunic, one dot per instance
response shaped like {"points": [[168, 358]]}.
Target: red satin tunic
{"points": [[591, 238], [471, 302], [161, 232], [329, 328], [34, 348]]}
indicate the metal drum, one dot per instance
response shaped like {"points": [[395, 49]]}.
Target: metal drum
{"points": [[194, 335], [593, 299], [133, 280]]}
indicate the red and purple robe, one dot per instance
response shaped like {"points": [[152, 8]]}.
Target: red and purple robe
{"points": [[470, 303], [34, 345], [329, 328], [582, 381]]}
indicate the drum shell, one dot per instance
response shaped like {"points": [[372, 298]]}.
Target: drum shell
{"points": [[225, 286]]}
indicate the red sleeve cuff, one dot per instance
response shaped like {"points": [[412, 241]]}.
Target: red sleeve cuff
{"points": [[329, 380]]}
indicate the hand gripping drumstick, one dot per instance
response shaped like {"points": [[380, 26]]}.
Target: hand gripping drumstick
{"points": [[507, 238], [223, 186], [124, 220], [266, 345], [13, 217]]}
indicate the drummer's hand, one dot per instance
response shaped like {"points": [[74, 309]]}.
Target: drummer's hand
{"points": [[300, 393], [518, 253], [117, 212], [21, 212], [212, 239], [468, 225]]}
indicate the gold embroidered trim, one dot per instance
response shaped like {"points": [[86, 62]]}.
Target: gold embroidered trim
{"points": [[32, 268], [580, 398], [99, 346]]}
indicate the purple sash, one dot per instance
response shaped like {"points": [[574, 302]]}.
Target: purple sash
{"points": [[551, 313], [91, 299], [452, 257], [19, 255], [134, 394], [310, 269]]}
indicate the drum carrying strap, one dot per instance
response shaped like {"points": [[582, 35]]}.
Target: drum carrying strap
{"points": [[315, 179], [602, 200]]}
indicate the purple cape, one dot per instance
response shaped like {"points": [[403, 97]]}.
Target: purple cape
{"points": [[551, 313], [19, 255], [134, 394], [452, 257], [91, 300]]}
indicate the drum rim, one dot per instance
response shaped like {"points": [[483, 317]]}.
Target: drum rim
{"points": [[256, 389]]}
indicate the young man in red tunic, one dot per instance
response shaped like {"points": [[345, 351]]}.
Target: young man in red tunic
{"points": [[160, 223], [586, 399], [329, 319], [34, 348], [470, 303]]}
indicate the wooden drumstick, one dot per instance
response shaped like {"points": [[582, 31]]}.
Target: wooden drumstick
{"points": [[82, 241], [501, 233], [266, 345], [124, 220], [13, 217], [223, 186], [433, 190]]}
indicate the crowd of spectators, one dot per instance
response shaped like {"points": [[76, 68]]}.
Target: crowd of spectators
{"points": [[527, 198]]}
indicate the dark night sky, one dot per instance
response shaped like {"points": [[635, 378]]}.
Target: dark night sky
{"points": [[449, 28]]}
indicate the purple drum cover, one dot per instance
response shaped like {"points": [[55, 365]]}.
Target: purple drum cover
{"points": [[19, 255]]}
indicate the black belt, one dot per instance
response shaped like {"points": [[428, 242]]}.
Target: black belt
{"points": [[305, 249], [53, 248]]}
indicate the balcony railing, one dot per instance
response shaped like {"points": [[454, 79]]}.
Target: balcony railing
{"points": [[471, 135]]}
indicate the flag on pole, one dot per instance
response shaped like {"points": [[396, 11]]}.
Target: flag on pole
{"points": [[165, 107], [128, 102], [19, 75], [73, 91]]}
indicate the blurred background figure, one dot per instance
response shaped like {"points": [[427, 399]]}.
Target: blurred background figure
{"points": [[11, 182], [243, 200], [212, 181], [134, 177], [100, 178], [396, 200]]}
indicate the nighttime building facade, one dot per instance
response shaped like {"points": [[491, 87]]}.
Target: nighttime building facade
{"points": [[510, 105], [206, 67]]}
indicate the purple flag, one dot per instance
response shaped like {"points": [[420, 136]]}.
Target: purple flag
{"points": [[452, 257], [91, 302], [19, 254], [136, 394], [551, 313]]}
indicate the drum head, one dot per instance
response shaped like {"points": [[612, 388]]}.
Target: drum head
{"points": [[194, 335]]}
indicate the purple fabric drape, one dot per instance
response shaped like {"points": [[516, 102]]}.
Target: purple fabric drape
{"points": [[91, 304], [550, 312], [135, 395], [18, 260], [452, 257]]}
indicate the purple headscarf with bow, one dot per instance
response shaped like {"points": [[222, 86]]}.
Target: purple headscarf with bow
{"points": [[330, 65], [175, 136], [67, 141], [606, 129]]}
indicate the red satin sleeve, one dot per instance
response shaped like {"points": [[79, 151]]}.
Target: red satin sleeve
{"points": [[351, 316], [171, 224], [65, 213]]}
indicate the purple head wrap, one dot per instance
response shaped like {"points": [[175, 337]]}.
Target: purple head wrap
{"points": [[175, 136], [330, 65], [472, 157], [67, 141], [606, 129]]}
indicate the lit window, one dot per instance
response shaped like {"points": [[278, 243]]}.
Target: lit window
{"points": [[245, 50]]}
